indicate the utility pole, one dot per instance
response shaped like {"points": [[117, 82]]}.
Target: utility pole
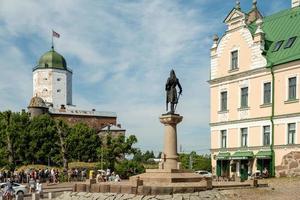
{"points": [[191, 162]]}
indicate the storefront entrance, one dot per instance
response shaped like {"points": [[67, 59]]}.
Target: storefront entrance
{"points": [[263, 164], [244, 170], [223, 168]]}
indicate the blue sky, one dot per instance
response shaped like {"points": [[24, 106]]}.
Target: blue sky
{"points": [[121, 53]]}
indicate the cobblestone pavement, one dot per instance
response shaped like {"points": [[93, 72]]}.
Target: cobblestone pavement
{"points": [[279, 189]]}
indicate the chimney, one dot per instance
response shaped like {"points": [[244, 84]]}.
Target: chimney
{"points": [[295, 3]]}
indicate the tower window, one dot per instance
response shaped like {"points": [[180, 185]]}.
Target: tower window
{"points": [[278, 45], [290, 42], [45, 90], [58, 79], [58, 90], [45, 79]]}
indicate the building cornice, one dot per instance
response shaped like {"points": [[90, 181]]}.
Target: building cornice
{"points": [[254, 119], [282, 146], [238, 75]]}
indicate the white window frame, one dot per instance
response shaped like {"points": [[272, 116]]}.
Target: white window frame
{"points": [[240, 137], [263, 91], [234, 48], [287, 86], [287, 132], [242, 84], [220, 138], [262, 134], [220, 100], [222, 89]]}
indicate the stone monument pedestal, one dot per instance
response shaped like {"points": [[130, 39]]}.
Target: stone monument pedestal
{"points": [[169, 168]]}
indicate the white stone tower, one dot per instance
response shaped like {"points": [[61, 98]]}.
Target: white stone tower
{"points": [[52, 80]]}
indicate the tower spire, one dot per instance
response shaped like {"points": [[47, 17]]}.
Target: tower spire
{"points": [[238, 5], [254, 4]]}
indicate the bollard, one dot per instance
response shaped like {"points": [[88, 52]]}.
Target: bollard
{"points": [[35, 196], [209, 185], [255, 182], [19, 197], [49, 195]]}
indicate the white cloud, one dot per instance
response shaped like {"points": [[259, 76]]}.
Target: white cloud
{"points": [[121, 54]]}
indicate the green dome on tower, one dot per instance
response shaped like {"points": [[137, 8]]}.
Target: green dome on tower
{"points": [[52, 59]]}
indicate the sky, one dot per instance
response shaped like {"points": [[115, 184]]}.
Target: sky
{"points": [[121, 53]]}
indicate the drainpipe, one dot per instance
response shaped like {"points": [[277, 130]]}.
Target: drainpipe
{"points": [[272, 121]]}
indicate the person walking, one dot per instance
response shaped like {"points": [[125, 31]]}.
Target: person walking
{"points": [[8, 190]]}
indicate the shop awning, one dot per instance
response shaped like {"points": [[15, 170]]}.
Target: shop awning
{"points": [[242, 155], [223, 156], [264, 154]]}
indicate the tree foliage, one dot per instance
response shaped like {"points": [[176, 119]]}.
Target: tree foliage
{"points": [[43, 140], [199, 162]]}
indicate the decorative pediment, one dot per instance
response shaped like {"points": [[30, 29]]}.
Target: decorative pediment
{"points": [[235, 19], [234, 15]]}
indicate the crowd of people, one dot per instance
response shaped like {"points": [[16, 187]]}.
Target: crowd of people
{"points": [[103, 176], [43, 175]]}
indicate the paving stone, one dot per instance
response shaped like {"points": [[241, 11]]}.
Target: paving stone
{"points": [[127, 196], [177, 197]]}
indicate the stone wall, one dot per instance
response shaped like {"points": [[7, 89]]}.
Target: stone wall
{"points": [[290, 165]]}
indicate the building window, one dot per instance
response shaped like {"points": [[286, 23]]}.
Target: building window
{"points": [[291, 133], [223, 138], [234, 60], [223, 101], [45, 90], [267, 93], [266, 135], [58, 90], [244, 137], [277, 45], [290, 42], [244, 97], [45, 79], [58, 79], [292, 88]]}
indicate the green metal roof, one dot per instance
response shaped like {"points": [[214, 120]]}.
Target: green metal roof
{"points": [[263, 154], [240, 155], [223, 156], [281, 26], [52, 59]]}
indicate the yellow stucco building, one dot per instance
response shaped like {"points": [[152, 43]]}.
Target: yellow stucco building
{"points": [[254, 88]]}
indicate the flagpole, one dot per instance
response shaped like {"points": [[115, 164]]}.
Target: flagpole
{"points": [[52, 46]]}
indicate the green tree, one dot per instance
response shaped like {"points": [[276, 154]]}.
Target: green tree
{"points": [[12, 126], [200, 162], [127, 168], [116, 148], [63, 131], [43, 143], [83, 143]]}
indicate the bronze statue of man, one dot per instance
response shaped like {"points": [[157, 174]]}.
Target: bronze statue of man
{"points": [[172, 96]]}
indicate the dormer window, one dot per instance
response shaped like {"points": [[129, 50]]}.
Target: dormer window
{"points": [[290, 42], [234, 60], [278, 45]]}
